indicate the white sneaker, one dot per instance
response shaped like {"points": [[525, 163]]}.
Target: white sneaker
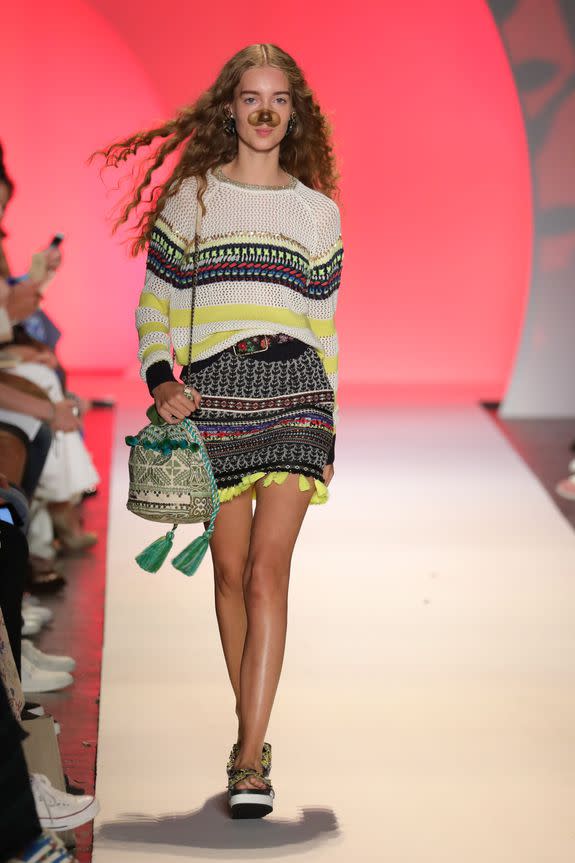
{"points": [[40, 680], [58, 810], [33, 614], [47, 661], [45, 614], [30, 627]]}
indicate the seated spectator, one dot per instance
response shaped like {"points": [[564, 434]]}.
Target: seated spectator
{"points": [[31, 397]]}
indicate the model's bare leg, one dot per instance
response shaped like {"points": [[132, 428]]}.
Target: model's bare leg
{"points": [[279, 513], [229, 549]]}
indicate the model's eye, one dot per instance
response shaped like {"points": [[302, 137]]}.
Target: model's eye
{"points": [[282, 99], [247, 99]]}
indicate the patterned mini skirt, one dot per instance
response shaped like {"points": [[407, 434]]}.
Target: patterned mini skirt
{"points": [[265, 414]]}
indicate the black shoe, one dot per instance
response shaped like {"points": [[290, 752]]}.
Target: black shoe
{"points": [[72, 789], [249, 802], [34, 707], [44, 582]]}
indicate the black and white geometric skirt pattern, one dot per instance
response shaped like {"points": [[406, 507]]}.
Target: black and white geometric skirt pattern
{"points": [[265, 417]]}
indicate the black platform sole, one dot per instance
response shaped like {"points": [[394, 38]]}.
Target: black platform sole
{"points": [[250, 804]]}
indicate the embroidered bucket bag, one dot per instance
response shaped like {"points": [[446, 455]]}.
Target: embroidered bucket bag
{"points": [[171, 478]]}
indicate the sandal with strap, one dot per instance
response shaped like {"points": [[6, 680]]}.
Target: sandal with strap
{"points": [[249, 802], [266, 759]]}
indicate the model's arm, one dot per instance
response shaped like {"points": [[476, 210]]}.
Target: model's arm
{"points": [[323, 293], [166, 269]]}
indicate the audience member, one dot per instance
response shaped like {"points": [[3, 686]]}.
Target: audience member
{"points": [[45, 472]]}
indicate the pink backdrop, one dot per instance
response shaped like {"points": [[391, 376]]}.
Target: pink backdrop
{"points": [[436, 206]]}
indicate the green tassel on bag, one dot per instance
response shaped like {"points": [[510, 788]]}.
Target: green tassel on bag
{"points": [[152, 557], [189, 559]]}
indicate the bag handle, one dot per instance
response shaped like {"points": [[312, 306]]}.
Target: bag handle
{"points": [[194, 285]]}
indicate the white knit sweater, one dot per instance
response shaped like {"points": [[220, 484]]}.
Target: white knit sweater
{"points": [[269, 261]]}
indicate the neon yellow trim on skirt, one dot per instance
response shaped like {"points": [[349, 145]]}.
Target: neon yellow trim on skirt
{"points": [[320, 495]]}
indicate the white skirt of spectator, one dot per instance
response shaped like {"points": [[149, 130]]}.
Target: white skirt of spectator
{"points": [[69, 470]]}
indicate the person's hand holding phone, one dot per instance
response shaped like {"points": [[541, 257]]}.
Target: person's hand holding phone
{"points": [[53, 259], [45, 263], [54, 254]]}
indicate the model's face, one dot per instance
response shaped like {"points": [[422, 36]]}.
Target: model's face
{"points": [[4, 198], [261, 107]]}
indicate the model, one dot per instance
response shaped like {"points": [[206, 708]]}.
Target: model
{"points": [[255, 154]]}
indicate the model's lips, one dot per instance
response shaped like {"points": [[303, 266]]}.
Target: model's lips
{"points": [[264, 130]]}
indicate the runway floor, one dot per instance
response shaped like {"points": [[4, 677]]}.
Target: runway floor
{"points": [[426, 709]]}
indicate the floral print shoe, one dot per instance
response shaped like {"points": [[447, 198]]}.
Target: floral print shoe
{"points": [[266, 759]]}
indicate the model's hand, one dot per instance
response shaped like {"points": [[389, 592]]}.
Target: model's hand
{"points": [[328, 473], [171, 403]]}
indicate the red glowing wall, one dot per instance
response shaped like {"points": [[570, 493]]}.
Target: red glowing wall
{"points": [[436, 203]]}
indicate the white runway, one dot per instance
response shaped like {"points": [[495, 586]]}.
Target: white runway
{"points": [[426, 709]]}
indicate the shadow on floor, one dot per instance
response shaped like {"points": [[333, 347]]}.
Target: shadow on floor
{"points": [[212, 828]]}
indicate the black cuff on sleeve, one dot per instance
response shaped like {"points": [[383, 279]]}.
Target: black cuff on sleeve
{"points": [[331, 454], [158, 373]]}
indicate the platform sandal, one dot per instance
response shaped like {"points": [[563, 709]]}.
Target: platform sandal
{"points": [[266, 759], [249, 802]]}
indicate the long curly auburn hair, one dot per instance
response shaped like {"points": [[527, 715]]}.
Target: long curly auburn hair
{"points": [[197, 129]]}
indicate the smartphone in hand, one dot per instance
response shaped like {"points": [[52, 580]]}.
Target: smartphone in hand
{"points": [[39, 269]]}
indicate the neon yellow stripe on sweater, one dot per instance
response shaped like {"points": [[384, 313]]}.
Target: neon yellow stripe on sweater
{"points": [[249, 312], [152, 301]]}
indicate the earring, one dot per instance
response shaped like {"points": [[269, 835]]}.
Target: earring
{"points": [[229, 123], [291, 123]]}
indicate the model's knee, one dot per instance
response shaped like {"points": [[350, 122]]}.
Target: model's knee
{"points": [[266, 578], [228, 575]]}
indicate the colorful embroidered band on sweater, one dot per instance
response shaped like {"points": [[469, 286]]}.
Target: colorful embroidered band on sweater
{"points": [[269, 261]]}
